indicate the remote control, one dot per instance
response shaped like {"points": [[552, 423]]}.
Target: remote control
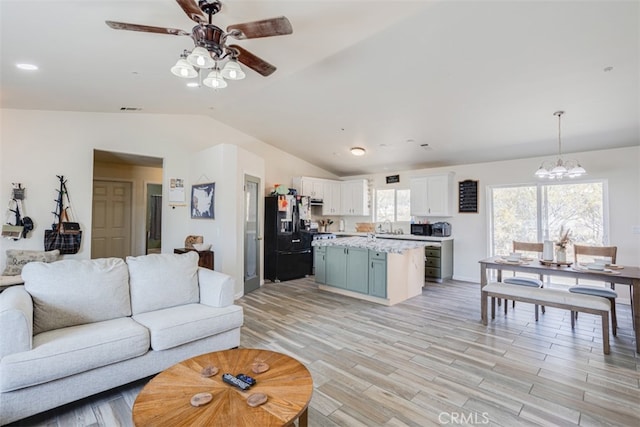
{"points": [[246, 378], [231, 380]]}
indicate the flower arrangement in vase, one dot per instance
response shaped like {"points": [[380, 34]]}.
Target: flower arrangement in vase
{"points": [[324, 224], [561, 244]]}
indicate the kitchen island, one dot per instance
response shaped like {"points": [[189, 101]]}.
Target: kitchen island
{"points": [[383, 271]]}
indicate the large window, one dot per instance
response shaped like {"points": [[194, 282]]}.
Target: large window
{"points": [[534, 213], [393, 205]]}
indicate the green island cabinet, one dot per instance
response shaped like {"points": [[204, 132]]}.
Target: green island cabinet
{"points": [[370, 274], [378, 274], [352, 269], [438, 261], [346, 268], [319, 263]]}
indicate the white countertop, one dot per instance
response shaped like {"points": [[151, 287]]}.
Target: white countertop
{"points": [[394, 236], [396, 246]]}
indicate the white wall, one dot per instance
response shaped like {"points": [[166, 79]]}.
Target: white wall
{"points": [[38, 145], [620, 167]]}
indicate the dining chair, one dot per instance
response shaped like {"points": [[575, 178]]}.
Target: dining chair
{"points": [[526, 247], [608, 252]]}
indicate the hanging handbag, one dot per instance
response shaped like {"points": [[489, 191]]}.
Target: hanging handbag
{"points": [[64, 235], [65, 243]]}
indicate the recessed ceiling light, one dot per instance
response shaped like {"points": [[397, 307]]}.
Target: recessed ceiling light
{"points": [[358, 151], [27, 67]]}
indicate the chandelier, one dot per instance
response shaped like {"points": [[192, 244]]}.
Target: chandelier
{"points": [[560, 168]]}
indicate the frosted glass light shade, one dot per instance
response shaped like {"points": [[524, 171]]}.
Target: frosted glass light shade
{"points": [[201, 58], [183, 69], [232, 71], [214, 80]]}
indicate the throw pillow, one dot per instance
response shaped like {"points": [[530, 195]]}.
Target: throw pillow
{"points": [[160, 281], [17, 258], [74, 292]]}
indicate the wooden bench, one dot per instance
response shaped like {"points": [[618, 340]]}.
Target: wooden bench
{"points": [[557, 298]]}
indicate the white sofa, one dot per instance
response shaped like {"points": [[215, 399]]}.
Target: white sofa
{"points": [[79, 327]]}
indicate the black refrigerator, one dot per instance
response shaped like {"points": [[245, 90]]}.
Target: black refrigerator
{"points": [[287, 241]]}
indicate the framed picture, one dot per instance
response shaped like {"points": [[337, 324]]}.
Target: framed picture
{"points": [[203, 200]]}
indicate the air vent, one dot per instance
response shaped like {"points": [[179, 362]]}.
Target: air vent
{"points": [[130, 109]]}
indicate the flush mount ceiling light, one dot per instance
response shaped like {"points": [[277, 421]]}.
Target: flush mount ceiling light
{"points": [[211, 60], [27, 67], [560, 168], [358, 151]]}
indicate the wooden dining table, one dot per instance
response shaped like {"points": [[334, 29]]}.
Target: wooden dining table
{"points": [[626, 275]]}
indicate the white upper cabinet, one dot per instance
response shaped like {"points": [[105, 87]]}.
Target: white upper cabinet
{"points": [[332, 202], [312, 187], [431, 195], [355, 197]]}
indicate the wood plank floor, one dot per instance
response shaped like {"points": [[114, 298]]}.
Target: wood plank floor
{"points": [[427, 361]]}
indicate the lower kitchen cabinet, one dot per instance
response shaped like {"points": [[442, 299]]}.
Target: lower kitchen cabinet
{"points": [[346, 268], [438, 261], [371, 275], [357, 264], [319, 263], [378, 274]]}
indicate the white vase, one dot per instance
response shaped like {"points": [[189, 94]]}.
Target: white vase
{"points": [[561, 255]]}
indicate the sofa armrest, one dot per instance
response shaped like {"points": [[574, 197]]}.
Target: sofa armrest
{"points": [[16, 318], [216, 289]]}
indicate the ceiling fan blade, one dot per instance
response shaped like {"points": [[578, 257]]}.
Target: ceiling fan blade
{"points": [[265, 28], [259, 65], [192, 10], [146, 28]]}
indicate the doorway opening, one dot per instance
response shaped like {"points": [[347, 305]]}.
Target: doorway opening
{"points": [[121, 213], [252, 236]]}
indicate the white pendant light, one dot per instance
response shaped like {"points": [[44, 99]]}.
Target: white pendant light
{"points": [[184, 69], [560, 168], [201, 58], [214, 80], [232, 70]]}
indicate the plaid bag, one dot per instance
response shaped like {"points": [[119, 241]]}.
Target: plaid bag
{"points": [[65, 243]]}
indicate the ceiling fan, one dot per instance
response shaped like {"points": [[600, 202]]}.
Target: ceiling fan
{"points": [[211, 42]]}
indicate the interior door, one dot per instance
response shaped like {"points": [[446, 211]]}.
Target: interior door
{"points": [[111, 222], [252, 235]]}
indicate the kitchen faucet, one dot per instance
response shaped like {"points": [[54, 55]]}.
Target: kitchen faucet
{"points": [[390, 229]]}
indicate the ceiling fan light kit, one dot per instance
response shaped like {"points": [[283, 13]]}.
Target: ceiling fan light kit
{"points": [[560, 168], [211, 49]]}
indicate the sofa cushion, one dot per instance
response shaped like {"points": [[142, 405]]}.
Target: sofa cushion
{"points": [[67, 351], [179, 325], [72, 292], [18, 258], [159, 281]]}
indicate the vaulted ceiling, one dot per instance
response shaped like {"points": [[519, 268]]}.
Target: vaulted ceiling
{"points": [[416, 83]]}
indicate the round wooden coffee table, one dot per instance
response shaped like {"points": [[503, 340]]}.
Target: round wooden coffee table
{"points": [[165, 400]]}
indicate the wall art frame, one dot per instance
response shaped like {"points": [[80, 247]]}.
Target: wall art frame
{"points": [[203, 200]]}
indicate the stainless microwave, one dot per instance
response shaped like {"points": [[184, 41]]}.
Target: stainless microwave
{"points": [[421, 229]]}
